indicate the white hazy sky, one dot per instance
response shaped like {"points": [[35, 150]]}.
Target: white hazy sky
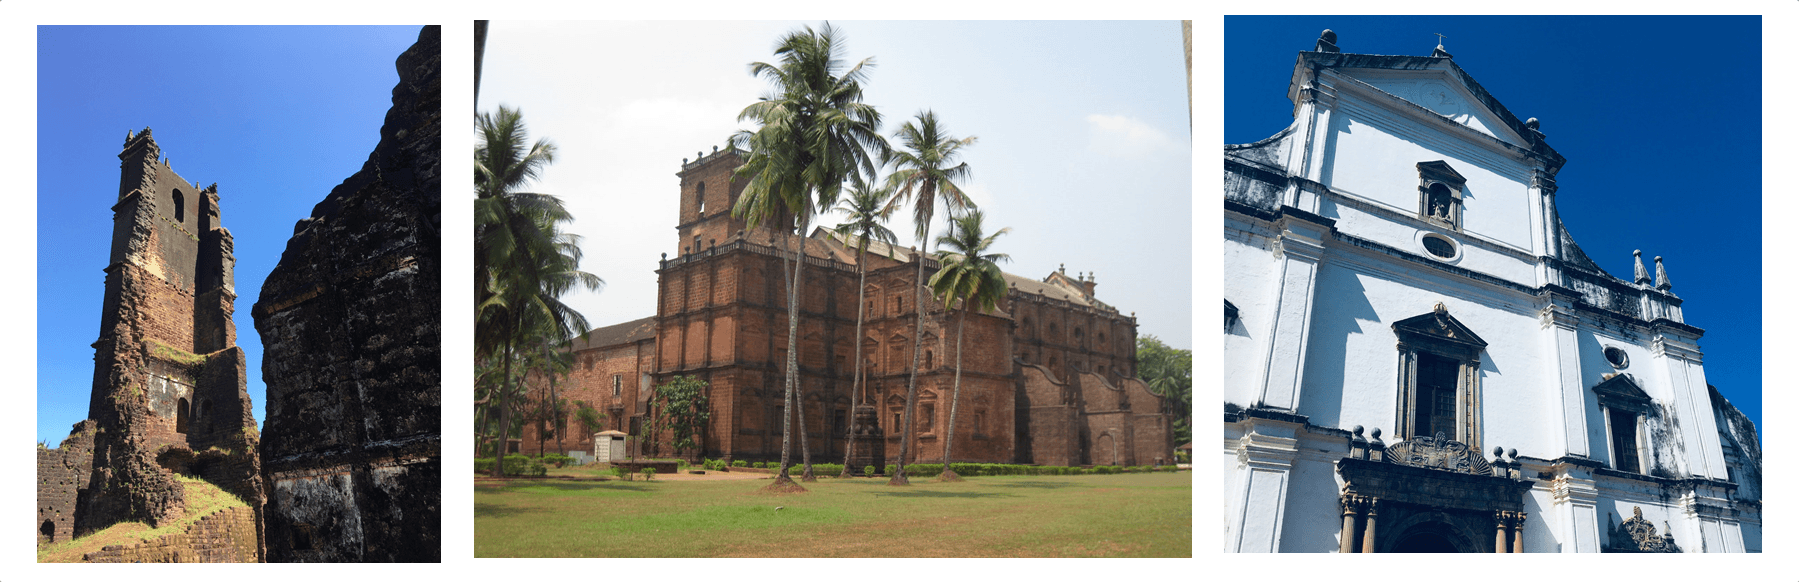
{"points": [[1085, 146]]}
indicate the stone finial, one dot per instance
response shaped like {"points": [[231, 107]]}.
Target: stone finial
{"points": [[1532, 123], [1513, 453], [683, 161], [1376, 434], [715, 148], [699, 154], [1642, 273], [1062, 268], [1327, 42], [1661, 276], [1498, 453], [1358, 432], [664, 257], [1439, 308]]}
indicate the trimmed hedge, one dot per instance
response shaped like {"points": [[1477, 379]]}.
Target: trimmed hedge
{"points": [[558, 460], [516, 464]]}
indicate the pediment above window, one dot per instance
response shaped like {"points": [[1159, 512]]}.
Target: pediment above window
{"points": [[1622, 393], [1440, 328]]}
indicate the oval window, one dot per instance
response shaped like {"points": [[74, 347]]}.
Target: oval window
{"points": [[1439, 246], [1617, 358]]}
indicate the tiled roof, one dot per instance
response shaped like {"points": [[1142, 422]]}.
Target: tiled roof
{"points": [[612, 335]]}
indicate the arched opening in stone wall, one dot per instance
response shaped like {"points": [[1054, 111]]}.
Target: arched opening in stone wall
{"points": [[180, 207], [181, 416], [48, 530], [1425, 543]]}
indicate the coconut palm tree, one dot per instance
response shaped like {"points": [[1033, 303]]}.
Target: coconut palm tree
{"points": [[814, 135], [970, 274], [865, 210], [524, 263], [925, 171]]}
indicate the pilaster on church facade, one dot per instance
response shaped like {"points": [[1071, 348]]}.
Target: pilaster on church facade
{"points": [[1419, 357]]}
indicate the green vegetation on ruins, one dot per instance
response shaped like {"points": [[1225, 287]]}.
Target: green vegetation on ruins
{"points": [[203, 499], [1125, 515]]}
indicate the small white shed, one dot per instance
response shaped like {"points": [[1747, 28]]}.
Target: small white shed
{"points": [[608, 446]]}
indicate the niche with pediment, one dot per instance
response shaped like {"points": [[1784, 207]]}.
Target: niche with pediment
{"points": [[1440, 194]]}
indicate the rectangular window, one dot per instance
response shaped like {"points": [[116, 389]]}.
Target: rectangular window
{"points": [[1435, 405], [618, 380], [1624, 440], [838, 426]]}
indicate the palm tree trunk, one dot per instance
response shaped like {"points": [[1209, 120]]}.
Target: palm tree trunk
{"points": [[793, 352], [793, 327], [949, 432], [856, 383], [556, 407], [499, 452], [899, 475]]}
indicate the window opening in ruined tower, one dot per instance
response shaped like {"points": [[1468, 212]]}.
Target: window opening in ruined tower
{"points": [[180, 207], [618, 381], [48, 530], [1435, 404], [181, 416], [1624, 440], [205, 409], [699, 200]]}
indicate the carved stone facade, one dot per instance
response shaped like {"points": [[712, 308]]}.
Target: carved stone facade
{"points": [[1394, 259], [1048, 378]]}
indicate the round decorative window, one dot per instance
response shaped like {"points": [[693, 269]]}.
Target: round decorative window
{"points": [[1617, 358], [1440, 246]]}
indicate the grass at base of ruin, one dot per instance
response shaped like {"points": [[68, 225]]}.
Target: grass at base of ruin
{"points": [[1127, 515], [202, 498]]}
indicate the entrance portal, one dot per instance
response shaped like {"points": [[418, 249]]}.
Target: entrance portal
{"points": [[1425, 543]]}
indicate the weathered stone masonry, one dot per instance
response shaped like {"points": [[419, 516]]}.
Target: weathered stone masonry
{"points": [[168, 394], [350, 328]]}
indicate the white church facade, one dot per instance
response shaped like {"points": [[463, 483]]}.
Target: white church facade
{"points": [[1418, 357]]}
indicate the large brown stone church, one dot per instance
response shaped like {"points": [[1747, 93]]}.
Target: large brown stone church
{"points": [[1048, 378]]}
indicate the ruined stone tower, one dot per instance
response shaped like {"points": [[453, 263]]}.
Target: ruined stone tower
{"points": [[168, 392]]}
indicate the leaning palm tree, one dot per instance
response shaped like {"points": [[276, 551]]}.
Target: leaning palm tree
{"points": [[971, 274], [815, 134], [925, 170], [865, 212]]}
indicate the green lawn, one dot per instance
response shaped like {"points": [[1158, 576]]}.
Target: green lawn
{"points": [[1127, 515]]}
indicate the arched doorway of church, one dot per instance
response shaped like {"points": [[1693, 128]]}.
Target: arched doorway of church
{"points": [[1432, 537], [1425, 543], [1105, 450]]}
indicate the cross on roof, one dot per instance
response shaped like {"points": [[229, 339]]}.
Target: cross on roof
{"points": [[1440, 38]]}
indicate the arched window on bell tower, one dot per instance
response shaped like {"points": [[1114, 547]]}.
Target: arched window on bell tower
{"points": [[699, 201], [180, 207]]}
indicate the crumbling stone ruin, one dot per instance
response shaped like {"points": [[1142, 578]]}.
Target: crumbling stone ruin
{"points": [[168, 393], [350, 328]]}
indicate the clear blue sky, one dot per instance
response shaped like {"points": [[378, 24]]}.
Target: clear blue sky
{"points": [[276, 115], [1659, 117], [1085, 149]]}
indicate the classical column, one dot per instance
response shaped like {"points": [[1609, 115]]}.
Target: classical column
{"points": [[1499, 545], [1346, 545], [1368, 530], [1518, 518]]}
